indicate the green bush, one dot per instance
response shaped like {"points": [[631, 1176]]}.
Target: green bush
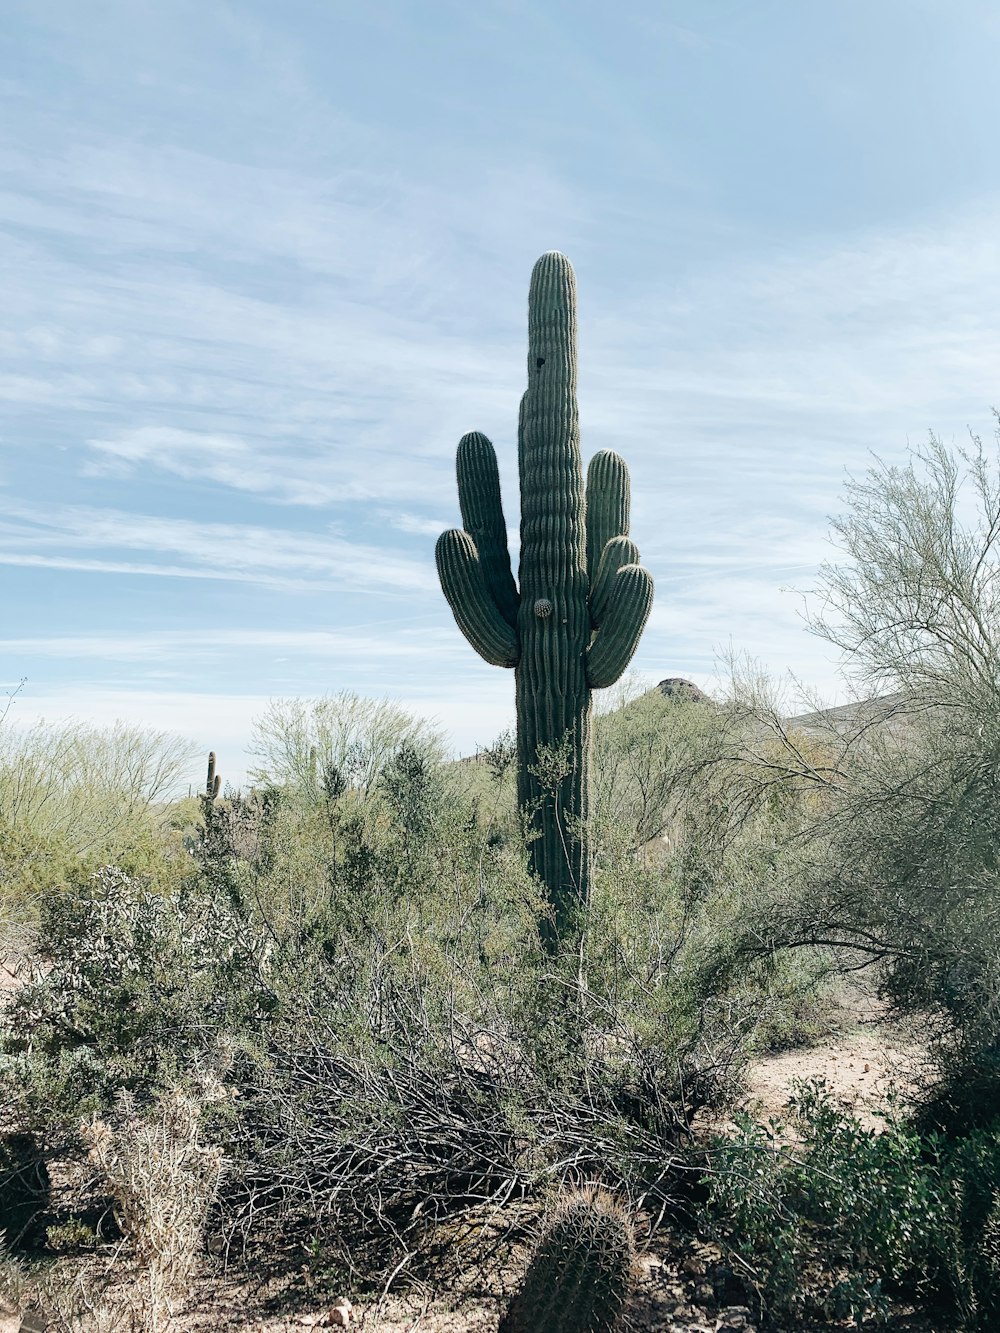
{"points": [[131, 986], [357, 944], [301, 744], [74, 798], [834, 1224], [431, 1058]]}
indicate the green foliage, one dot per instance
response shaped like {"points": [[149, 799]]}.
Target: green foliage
{"points": [[362, 959], [644, 747], [130, 987], [430, 1057], [835, 1220], [415, 795], [304, 745], [580, 1275], [71, 1236], [74, 798], [575, 620], [884, 818]]}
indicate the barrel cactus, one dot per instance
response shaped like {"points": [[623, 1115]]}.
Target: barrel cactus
{"points": [[572, 622], [579, 1277]]}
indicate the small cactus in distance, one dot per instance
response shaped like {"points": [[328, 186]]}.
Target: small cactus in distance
{"points": [[579, 1277], [213, 782]]}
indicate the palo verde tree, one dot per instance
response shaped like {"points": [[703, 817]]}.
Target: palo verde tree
{"points": [[572, 622]]}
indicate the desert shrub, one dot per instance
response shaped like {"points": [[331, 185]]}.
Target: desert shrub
{"points": [[704, 892], [917, 607], [435, 1061], [162, 1177], [882, 818], [838, 1219], [74, 798], [312, 746], [644, 745], [405, 1052], [129, 985], [160, 1174], [867, 836], [903, 871]]}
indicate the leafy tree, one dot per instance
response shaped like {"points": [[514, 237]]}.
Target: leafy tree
{"points": [[895, 860], [341, 739]]}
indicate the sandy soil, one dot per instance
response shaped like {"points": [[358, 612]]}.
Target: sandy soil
{"points": [[859, 1068], [12, 972]]}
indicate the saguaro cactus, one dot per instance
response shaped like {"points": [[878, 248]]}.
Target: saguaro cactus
{"points": [[213, 781], [574, 622]]}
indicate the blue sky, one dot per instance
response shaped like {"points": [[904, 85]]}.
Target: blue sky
{"points": [[262, 266]]}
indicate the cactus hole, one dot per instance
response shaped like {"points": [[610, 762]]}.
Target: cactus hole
{"points": [[539, 361]]}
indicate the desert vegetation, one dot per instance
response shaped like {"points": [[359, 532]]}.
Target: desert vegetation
{"points": [[311, 1029], [318, 1023], [380, 1022]]}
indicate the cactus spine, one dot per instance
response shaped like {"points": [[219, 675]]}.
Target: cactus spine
{"points": [[574, 622], [580, 1276]]}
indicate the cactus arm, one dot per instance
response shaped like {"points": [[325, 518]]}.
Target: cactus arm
{"points": [[628, 608], [618, 552], [483, 520], [608, 503], [475, 611]]}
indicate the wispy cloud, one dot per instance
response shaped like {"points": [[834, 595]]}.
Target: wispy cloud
{"points": [[32, 534], [413, 524], [223, 721], [245, 323], [163, 644]]}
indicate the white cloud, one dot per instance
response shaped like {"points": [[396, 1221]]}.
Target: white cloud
{"points": [[34, 535], [413, 524], [321, 339], [223, 722], [398, 641], [354, 386]]}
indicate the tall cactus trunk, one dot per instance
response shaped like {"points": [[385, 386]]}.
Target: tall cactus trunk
{"points": [[553, 697], [583, 600], [559, 853]]}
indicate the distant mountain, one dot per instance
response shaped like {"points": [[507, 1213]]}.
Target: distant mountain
{"points": [[676, 687], [887, 711], [845, 717], [850, 717]]}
